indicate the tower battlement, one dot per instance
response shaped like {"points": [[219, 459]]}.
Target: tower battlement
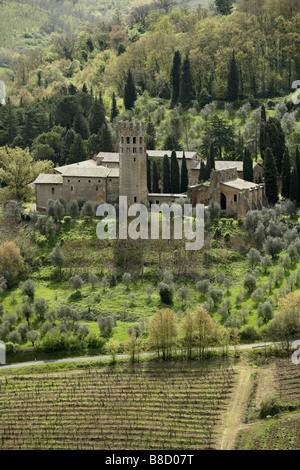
{"points": [[133, 128]]}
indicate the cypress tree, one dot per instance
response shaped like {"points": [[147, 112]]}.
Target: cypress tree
{"points": [[130, 92], [294, 186], [247, 166], [212, 156], [97, 116], [262, 131], [166, 175], [155, 178], [80, 126], [233, 80], [224, 7], [271, 176], [275, 139], [175, 183], [286, 175], [77, 151], [297, 162], [105, 139], [175, 78], [114, 110], [202, 172], [149, 174], [151, 136], [207, 167], [186, 94], [184, 175]]}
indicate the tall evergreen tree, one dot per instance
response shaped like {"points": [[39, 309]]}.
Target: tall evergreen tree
{"points": [[262, 131], [105, 139], [97, 116], [271, 177], [275, 140], [80, 126], [186, 94], [166, 175], [247, 166], [175, 182], [286, 174], [114, 110], [294, 186], [149, 186], [297, 163], [184, 175], [151, 136], [233, 80], [202, 172], [224, 7], [175, 78], [155, 180], [212, 156], [77, 151], [130, 95]]}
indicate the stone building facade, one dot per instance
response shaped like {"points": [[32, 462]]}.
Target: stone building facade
{"points": [[108, 176], [234, 195]]}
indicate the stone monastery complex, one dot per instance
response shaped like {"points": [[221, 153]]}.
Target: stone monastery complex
{"points": [[107, 176]]}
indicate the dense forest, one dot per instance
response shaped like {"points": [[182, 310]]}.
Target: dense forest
{"points": [[215, 78]]}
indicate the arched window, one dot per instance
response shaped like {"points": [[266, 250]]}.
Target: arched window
{"points": [[235, 198]]}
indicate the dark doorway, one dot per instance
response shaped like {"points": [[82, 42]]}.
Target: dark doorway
{"points": [[223, 202]]}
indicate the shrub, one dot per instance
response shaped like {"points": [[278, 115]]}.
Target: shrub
{"points": [[269, 407], [166, 292]]}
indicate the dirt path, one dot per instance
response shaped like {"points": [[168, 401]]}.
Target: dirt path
{"points": [[233, 419]]}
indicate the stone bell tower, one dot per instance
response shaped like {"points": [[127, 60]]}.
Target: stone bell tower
{"points": [[133, 161]]}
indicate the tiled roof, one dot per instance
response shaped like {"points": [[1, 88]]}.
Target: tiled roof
{"points": [[44, 178], [240, 184]]}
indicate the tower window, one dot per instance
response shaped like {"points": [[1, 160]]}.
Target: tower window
{"points": [[72, 189], [134, 159], [128, 140], [235, 198], [89, 181], [134, 140], [134, 198], [134, 150], [141, 140], [52, 190], [78, 181]]}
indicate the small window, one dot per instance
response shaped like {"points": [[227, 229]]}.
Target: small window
{"points": [[110, 180], [134, 140], [78, 181], [89, 181], [72, 189], [128, 140], [99, 181], [157, 202], [96, 188], [52, 190], [134, 150], [69, 181], [134, 159], [134, 198], [235, 198]]}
